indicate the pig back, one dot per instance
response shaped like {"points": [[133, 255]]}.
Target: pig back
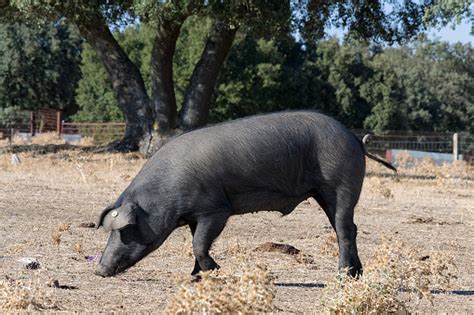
{"points": [[283, 152]]}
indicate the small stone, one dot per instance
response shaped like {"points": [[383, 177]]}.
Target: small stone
{"points": [[15, 159], [87, 225], [29, 263], [53, 283], [275, 247], [91, 258]]}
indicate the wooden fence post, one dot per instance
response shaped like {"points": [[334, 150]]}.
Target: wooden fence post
{"points": [[32, 123], [455, 146], [58, 123]]}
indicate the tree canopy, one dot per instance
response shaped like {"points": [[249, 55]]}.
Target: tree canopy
{"points": [[172, 86], [425, 85], [39, 66]]}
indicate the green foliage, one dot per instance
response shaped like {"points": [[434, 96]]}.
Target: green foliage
{"points": [[385, 20], [39, 66], [13, 116], [424, 86], [385, 94], [95, 93], [345, 68], [251, 81], [439, 86], [267, 75], [95, 97], [445, 11]]}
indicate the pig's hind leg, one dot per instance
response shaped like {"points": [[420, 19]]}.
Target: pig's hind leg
{"points": [[339, 208], [205, 231], [346, 232]]}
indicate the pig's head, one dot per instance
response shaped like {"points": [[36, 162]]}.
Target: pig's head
{"points": [[130, 239]]}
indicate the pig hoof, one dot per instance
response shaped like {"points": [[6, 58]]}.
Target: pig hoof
{"points": [[355, 272], [196, 278]]}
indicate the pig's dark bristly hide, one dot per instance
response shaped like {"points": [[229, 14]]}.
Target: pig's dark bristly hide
{"points": [[261, 163]]}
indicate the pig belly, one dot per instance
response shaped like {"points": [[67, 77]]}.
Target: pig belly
{"points": [[265, 201]]}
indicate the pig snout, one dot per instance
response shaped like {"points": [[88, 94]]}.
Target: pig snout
{"points": [[111, 267], [104, 271]]}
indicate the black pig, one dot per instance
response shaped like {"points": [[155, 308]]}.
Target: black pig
{"points": [[262, 163]]}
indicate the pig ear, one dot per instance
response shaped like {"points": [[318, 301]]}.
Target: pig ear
{"points": [[117, 219], [100, 221]]}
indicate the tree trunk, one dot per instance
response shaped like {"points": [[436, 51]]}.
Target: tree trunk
{"points": [[195, 111], [127, 83], [161, 73]]}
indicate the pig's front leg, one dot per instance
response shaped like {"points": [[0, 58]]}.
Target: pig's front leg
{"points": [[205, 231]]}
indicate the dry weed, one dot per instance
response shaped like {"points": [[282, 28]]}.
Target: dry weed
{"points": [[46, 138], [56, 236], [455, 173], [378, 186], [304, 258], [17, 249], [78, 248], [329, 246], [234, 249], [19, 295], [63, 227], [249, 291], [79, 167], [395, 269], [405, 160]]}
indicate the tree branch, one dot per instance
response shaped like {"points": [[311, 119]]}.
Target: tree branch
{"points": [[195, 111], [161, 72], [126, 80]]}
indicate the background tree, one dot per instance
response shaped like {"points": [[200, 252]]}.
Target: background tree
{"points": [[438, 83], [95, 93], [39, 67], [95, 96], [375, 20]]}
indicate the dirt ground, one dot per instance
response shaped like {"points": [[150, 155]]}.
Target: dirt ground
{"points": [[43, 192]]}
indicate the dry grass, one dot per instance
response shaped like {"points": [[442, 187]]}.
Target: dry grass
{"points": [[243, 292], [44, 138], [447, 173], [78, 167], [379, 187], [46, 190], [21, 295], [395, 276]]}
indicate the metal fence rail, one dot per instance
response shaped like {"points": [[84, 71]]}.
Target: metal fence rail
{"points": [[99, 132], [44, 120], [430, 142], [31, 122]]}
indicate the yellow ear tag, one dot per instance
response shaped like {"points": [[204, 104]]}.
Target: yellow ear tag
{"points": [[114, 213]]}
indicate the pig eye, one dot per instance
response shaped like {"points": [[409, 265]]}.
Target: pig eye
{"points": [[130, 234]]}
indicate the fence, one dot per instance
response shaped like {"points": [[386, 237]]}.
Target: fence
{"points": [[32, 122], [401, 140], [454, 143], [45, 120], [99, 132], [50, 120]]}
